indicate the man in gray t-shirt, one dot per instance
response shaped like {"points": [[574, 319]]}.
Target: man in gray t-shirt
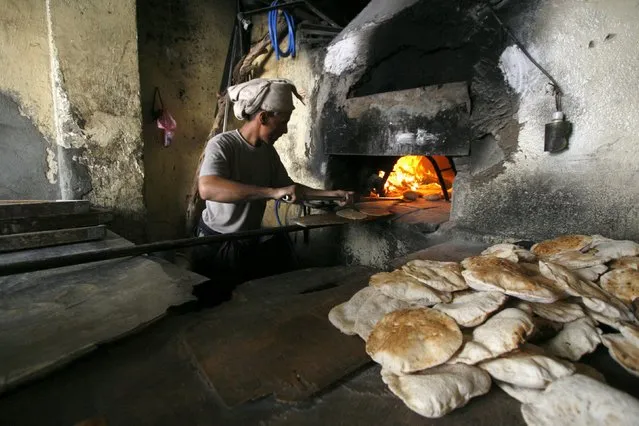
{"points": [[241, 170]]}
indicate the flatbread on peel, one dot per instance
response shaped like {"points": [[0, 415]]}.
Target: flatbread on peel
{"points": [[399, 285], [471, 308], [578, 400], [351, 214], [439, 390], [442, 276], [410, 340], [502, 333]]}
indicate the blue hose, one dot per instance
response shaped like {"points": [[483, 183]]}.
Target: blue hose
{"points": [[272, 31], [277, 212]]}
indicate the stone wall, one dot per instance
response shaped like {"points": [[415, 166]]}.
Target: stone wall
{"points": [[183, 48], [591, 49]]}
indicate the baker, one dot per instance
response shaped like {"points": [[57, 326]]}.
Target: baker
{"points": [[240, 172]]}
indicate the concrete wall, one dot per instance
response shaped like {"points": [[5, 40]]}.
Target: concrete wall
{"points": [[591, 49], [97, 106], [26, 106], [71, 70], [183, 47]]}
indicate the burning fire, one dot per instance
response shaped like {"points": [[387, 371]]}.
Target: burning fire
{"points": [[411, 173]]}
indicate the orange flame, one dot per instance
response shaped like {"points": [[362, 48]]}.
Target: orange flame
{"points": [[411, 173]]}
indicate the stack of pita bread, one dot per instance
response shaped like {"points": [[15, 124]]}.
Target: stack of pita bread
{"points": [[444, 331]]}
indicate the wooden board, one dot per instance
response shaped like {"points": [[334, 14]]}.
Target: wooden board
{"points": [[282, 345], [111, 240], [11, 209], [56, 237], [45, 223], [51, 317]]}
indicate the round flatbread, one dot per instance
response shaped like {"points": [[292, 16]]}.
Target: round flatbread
{"points": [[373, 310], [559, 311], [561, 244], [510, 252], [578, 400], [612, 249], [442, 276], [521, 394], [624, 351], [410, 340], [591, 273], [575, 259], [399, 285], [575, 340], [622, 283], [593, 297], [351, 214], [344, 315], [502, 333], [438, 391], [527, 367], [489, 273], [471, 308], [631, 262]]}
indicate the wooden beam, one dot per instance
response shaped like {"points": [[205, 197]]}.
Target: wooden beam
{"points": [[10, 209], [46, 223], [50, 238]]}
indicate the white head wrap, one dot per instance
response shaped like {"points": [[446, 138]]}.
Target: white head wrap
{"points": [[273, 95]]}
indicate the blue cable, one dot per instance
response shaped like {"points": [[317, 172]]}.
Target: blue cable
{"points": [[272, 31], [277, 212]]}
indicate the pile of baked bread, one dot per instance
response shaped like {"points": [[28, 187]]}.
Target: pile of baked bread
{"points": [[443, 332]]}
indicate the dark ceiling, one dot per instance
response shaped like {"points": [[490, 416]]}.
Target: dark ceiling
{"points": [[340, 11]]}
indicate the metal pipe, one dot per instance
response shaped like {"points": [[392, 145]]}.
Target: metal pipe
{"points": [[440, 177], [321, 15], [115, 253], [227, 104], [269, 8]]}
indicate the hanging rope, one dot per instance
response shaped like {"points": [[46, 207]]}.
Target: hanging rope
{"points": [[272, 30]]}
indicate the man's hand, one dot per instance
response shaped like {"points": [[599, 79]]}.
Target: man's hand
{"points": [[347, 197], [291, 194]]}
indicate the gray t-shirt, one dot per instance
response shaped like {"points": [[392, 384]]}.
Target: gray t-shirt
{"points": [[230, 156]]}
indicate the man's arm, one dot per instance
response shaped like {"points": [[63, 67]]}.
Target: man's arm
{"points": [[309, 193], [222, 190]]}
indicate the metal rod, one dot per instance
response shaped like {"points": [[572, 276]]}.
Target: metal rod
{"points": [[269, 8], [227, 104], [115, 253], [320, 14], [438, 172]]}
